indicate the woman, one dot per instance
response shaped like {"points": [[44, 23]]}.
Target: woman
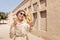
{"points": [[21, 26]]}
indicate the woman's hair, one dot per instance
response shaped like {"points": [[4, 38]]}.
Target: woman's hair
{"points": [[21, 11]]}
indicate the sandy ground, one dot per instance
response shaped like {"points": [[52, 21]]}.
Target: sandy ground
{"points": [[4, 33]]}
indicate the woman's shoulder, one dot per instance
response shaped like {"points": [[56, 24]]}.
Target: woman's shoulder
{"points": [[25, 23]]}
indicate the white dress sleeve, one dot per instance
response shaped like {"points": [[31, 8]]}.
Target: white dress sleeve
{"points": [[27, 28]]}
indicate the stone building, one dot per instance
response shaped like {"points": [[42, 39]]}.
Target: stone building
{"points": [[46, 17]]}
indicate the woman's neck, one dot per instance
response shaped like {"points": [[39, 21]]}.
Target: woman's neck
{"points": [[20, 20]]}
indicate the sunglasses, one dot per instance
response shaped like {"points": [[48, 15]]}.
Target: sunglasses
{"points": [[22, 14]]}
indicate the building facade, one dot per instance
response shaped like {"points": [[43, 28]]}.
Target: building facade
{"points": [[46, 17]]}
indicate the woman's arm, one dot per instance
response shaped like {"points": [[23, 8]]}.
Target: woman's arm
{"points": [[14, 22]]}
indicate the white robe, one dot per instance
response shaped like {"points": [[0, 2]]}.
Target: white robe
{"points": [[22, 27]]}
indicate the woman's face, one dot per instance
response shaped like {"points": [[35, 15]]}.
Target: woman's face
{"points": [[21, 16]]}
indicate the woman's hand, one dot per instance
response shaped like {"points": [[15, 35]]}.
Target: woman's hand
{"points": [[14, 22]]}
